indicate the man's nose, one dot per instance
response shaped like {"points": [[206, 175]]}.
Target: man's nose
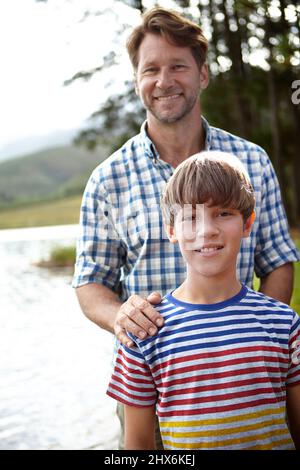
{"points": [[164, 79]]}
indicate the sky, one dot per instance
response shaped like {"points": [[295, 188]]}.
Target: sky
{"points": [[42, 45]]}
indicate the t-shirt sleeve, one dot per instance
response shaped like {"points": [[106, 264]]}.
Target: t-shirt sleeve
{"points": [[274, 245], [131, 381], [100, 252], [293, 377]]}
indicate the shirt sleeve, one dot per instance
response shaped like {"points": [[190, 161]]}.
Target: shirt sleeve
{"points": [[131, 381], [293, 377], [100, 252], [274, 245]]}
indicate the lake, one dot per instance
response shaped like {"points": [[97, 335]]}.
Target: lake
{"points": [[55, 364]]}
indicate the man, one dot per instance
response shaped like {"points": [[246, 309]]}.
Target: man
{"points": [[122, 254]]}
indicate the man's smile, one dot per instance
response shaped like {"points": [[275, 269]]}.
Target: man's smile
{"points": [[167, 97]]}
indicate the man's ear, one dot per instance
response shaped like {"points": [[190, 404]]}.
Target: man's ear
{"points": [[171, 233], [248, 225], [204, 77], [136, 87]]}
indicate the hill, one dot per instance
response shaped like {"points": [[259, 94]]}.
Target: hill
{"points": [[21, 147], [49, 174]]}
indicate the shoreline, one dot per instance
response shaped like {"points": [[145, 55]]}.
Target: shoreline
{"points": [[49, 232]]}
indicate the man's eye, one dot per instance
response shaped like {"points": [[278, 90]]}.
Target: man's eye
{"points": [[150, 70], [179, 66]]}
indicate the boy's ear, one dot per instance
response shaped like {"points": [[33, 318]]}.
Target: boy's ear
{"points": [[248, 225], [171, 233]]}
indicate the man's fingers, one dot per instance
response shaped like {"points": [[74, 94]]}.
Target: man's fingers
{"points": [[135, 321], [122, 337], [130, 326], [147, 309], [136, 316], [154, 298]]}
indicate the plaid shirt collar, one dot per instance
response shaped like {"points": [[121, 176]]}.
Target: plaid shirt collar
{"points": [[150, 149]]}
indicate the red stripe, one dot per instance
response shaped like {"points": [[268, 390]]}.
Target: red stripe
{"points": [[122, 400], [132, 361], [294, 374], [226, 396], [218, 386], [219, 375], [218, 409], [196, 367], [121, 361], [296, 336], [133, 379], [121, 381], [209, 355], [133, 397]]}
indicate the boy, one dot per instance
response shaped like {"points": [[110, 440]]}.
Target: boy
{"points": [[224, 369]]}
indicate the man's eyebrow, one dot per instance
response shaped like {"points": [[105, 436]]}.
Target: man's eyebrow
{"points": [[149, 63], [153, 62]]}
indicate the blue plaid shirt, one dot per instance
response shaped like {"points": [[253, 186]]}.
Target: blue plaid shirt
{"points": [[123, 244]]}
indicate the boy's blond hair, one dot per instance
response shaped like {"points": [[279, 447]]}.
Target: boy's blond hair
{"points": [[174, 27], [217, 178]]}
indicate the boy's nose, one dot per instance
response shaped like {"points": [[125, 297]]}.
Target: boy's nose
{"points": [[207, 227]]}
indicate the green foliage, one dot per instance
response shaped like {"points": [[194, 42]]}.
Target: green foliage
{"points": [[47, 175], [60, 257], [63, 256]]}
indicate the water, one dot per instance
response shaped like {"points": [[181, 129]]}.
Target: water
{"points": [[54, 363]]}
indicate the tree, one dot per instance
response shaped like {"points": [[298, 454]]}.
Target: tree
{"points": [[254, 58]]}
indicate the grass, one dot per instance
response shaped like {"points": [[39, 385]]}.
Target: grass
{"points": [[59, 212]]}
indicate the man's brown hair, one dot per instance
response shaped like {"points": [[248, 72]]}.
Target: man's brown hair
{"points": [[217, 178], [174, 27]]}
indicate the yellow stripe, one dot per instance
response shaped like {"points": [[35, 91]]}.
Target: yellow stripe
{"points": [[223, 432], [272, 445], [231, 419], [227, 442]]}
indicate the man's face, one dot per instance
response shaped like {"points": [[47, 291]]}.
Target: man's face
{"points": [[168, 79], [209, 238]]}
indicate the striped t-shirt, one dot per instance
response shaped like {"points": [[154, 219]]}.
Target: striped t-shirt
{"points": [[217, 373]]}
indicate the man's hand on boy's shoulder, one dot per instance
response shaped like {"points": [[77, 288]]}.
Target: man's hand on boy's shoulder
{"points": [[139, 317]]}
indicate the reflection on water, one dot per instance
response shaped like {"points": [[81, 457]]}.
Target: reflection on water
{"points": [[54, 364]]}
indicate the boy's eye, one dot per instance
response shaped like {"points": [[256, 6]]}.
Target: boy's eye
{"points": [[188, 218], [225, 213]]}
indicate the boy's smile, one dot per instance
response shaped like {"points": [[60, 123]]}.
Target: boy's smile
{"points": [[209, 249]]}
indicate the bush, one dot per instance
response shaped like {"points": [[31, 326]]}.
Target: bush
{"points": [[60, 257]]}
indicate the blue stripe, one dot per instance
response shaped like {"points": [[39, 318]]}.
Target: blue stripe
{"points": [[192, 347]]}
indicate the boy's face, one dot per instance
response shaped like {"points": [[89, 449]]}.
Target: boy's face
{"points": [[209, 238]]}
